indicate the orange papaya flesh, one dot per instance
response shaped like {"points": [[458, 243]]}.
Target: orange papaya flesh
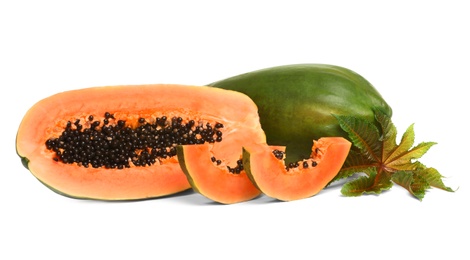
{"points": [[220, 180], [101, 118], [266, 168]]}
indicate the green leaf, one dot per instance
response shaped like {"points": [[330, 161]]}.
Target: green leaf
{"points": [[406, 166], [363, 135], [415, 184], [434, 178], [375, 152], [410, 154], [389, 133], [354, 163], [406, 143], [373, 184]]}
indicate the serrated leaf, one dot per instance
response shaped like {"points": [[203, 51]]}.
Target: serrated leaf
{"points": [[410, 154], [372, 184], [355, 163], [389, 133], [406, 166], [363, 135], [434, 178], [405, 144], [355, 158], [378, 153], [415, 184]]}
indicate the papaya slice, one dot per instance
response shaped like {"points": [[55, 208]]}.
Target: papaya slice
{"points": [[220, 180], [119, 142], [266, 168]]}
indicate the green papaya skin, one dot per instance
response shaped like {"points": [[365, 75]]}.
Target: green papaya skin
{"points": [[296, 102]]}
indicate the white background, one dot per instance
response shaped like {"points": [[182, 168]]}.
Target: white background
{"points": [[415, 53]]}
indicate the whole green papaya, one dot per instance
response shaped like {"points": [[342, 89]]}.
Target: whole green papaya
{"points": [[296, 102]]}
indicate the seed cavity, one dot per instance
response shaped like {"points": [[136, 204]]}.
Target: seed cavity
{"points": [[216, 161], [280, 155], [235, 170], [113, 144]]}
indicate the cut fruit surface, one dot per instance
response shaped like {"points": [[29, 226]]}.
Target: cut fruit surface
{"points": [[266, 168], [220, 180], [119, 142]]}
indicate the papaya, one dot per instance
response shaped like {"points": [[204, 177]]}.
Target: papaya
{"points": [[267, 169], [119, 142], [215, 178], [296, 102]]}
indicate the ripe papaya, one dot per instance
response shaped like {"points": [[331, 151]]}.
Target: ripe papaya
{"points": [[296, 102], [265, 166], [119, 142], [214, 178]]}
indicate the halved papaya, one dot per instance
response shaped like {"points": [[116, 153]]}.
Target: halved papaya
{"points": [[220, 180], [119, 142], [266, 168]]}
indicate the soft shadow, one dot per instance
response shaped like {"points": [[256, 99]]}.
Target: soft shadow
{"points": [[181, 194], [263, 199], [195, 198], [200, 200]]}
